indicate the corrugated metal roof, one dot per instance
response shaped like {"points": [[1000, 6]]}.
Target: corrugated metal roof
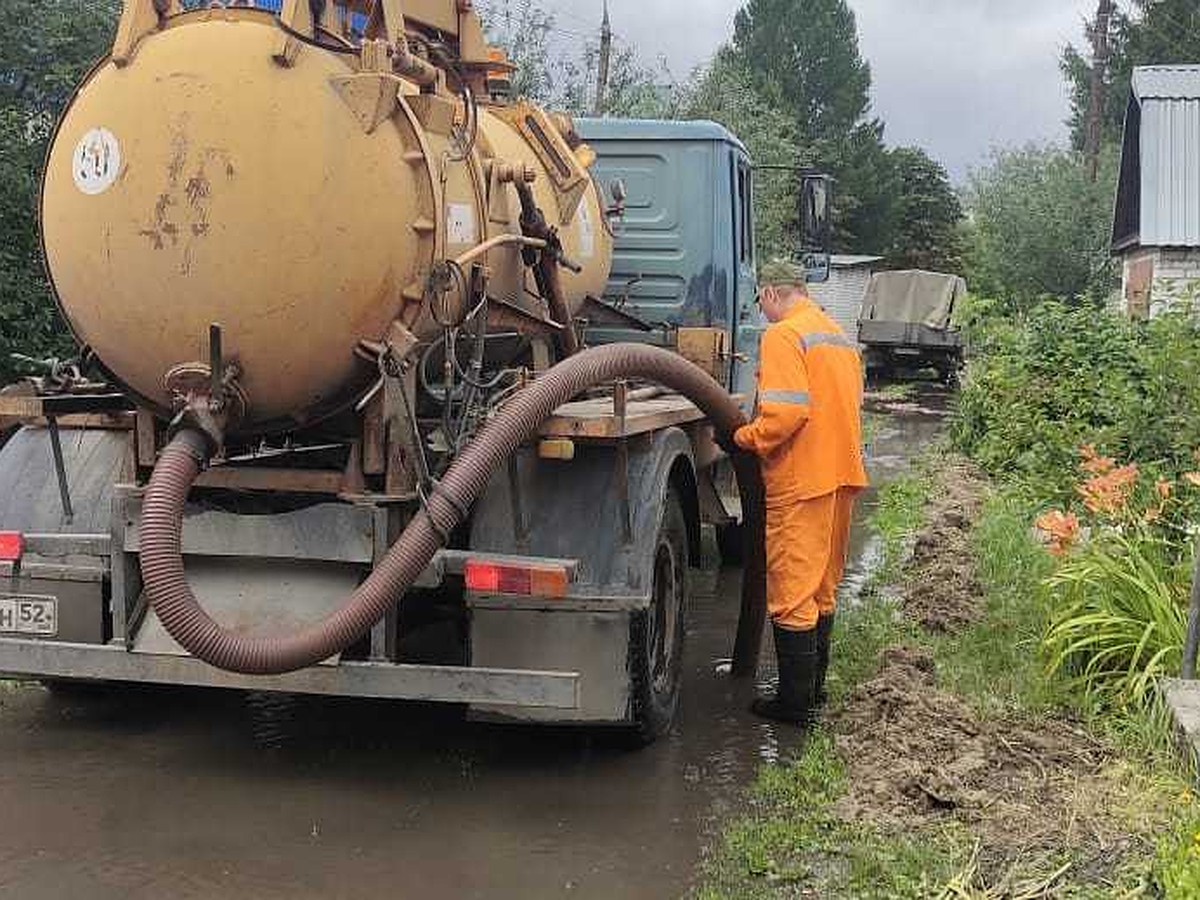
{"points": [[850, 260], [1165, 111], [1167, 82]]}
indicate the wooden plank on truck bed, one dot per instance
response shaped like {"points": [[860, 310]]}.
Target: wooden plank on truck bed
{"points": [[595, 418]]}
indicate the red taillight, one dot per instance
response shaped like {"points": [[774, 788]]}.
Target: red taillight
{"points": [[12, 546], [483, 577]]}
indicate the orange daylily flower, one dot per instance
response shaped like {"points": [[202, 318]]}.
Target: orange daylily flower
{"points": [[1093, 463], [1062, 528], [1109, 493]]}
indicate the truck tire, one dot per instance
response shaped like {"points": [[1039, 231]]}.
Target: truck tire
{"points": [[656, 634]]}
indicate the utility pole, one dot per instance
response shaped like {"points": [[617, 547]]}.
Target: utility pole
{"points": [[605, 60], [1100, 50]]}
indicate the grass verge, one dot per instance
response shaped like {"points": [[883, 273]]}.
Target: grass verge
{"points": [[795, 841]]}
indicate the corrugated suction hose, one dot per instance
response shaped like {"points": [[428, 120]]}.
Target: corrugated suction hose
{"points": [[186, 621]]}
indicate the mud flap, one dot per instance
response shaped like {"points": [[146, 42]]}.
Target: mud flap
{"points": [[575, 510]]}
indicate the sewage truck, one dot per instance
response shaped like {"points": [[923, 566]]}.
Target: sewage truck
{"points": [[391, 385]]}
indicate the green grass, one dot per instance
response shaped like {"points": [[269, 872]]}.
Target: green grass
{"points": [[1176, 870], [899, 514], [795, 841], [864, 630], [997, 664], [895, 392], [871, 423]]}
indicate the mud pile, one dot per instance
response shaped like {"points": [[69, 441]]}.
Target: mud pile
{"points": [[941, 590], [917, 755]]}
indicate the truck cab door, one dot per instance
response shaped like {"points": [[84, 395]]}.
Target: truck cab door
{"points": [[748, 319]]}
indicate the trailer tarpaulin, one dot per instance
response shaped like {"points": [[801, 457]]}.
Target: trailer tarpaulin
{"points": [[925, 298]]}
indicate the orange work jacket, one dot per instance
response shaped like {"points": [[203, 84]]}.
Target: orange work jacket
{"points": [[808, 427]]}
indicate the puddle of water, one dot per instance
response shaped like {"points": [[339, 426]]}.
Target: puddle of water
{"points": [[163, 793]]}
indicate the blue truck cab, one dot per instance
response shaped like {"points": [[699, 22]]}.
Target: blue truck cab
{"points": [[685, 250]]}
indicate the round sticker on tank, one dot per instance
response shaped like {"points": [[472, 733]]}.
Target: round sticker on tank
{"points": [[97, 161]]}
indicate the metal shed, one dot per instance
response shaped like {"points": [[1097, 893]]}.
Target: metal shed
{"points": [[842, 295], [1156, 226]]}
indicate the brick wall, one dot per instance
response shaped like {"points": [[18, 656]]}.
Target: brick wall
{"points": [[1154, 279]]}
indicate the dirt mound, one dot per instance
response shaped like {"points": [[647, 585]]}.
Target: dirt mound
{"points": [[941, 590], [917, 755]]}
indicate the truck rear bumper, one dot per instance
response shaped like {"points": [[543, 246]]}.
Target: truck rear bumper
{"points": [[443, 684]]}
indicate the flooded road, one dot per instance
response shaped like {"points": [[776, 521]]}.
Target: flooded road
{"points": [[166, 793]]}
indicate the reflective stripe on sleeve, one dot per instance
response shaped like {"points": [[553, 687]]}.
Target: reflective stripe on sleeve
{"points": [[827, 339], [792, 398]]}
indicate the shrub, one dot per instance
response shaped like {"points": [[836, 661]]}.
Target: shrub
{"points": [[1043, 385]]}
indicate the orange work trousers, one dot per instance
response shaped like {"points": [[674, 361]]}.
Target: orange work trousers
{"points": [[807, 542]]}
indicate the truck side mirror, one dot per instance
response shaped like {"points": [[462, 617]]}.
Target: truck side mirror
{"points": [[816, 201]]}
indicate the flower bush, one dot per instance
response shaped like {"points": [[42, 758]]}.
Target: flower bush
{"points": [[1119, 598], [1094, 421]]}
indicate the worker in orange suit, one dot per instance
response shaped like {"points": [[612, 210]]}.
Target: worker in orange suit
{"points": [[807, 433]]}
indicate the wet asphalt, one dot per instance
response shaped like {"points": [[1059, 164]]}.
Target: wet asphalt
{"points": [[167, 793]]}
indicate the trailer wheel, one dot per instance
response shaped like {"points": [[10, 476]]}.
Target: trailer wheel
{"points": [[656, 635]]}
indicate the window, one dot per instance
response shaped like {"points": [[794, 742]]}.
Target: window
{"points": [[745, 221]]}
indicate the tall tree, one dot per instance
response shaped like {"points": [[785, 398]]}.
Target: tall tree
{"points": [[1158, 32], [48, 46], [725, 92], [804, 55], [927, 215]]}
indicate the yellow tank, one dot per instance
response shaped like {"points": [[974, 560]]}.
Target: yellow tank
{"points": [[220, 167]]}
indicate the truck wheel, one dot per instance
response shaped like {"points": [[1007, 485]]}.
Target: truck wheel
{"points": [[656, 635], [731, 544]]}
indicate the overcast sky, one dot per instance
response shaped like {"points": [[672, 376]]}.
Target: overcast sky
{"points": [[956, 77]]}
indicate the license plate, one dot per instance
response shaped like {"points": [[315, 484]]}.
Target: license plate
{"points": [[29, 615]]}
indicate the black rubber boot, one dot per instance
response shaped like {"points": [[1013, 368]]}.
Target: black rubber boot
{"points": [[796, 653], [824, 637]]}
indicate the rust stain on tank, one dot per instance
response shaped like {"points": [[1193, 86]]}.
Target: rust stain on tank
{"points": [[197, 188], [161, 227], [179, 148]]}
